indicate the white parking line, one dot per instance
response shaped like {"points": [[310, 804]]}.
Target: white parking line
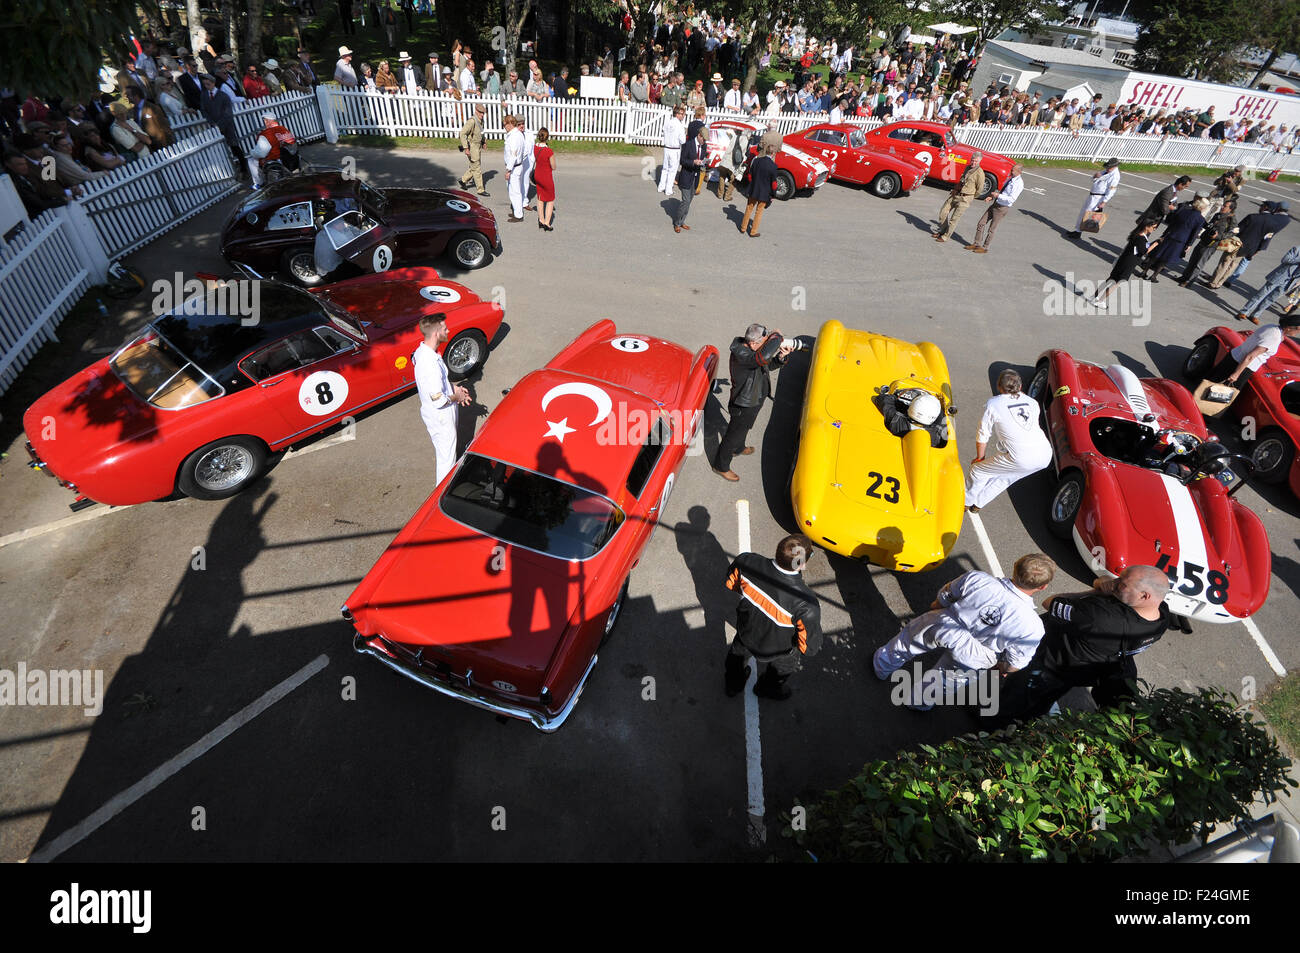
{"points": [[753, 743], [75, 519], [100, 510], [1068, 185], [1122, 183], [986, 544], [1270, 656], [125, 799]]}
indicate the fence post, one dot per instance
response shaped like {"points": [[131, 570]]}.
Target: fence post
{"points": [[1101, 144], [627, 123], [1161, 150], [328, 121], [85, 239]]}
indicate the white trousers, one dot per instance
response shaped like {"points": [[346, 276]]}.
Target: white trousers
{"points": [[1089, 203], [668, 177], [442, 431], [927, 632], [516, 190], [255, 170], [998, 471]]}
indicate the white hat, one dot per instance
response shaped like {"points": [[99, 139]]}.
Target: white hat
{"points": [[269, 115], [273, 63], [344, 51], [716, 77], [403, 55], [780, 84]]}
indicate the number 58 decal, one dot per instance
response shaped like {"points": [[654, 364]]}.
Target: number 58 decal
{"points": [[1215, 583], [890, 496]]}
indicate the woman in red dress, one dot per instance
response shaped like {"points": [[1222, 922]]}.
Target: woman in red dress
{"points": [[544, 175]]}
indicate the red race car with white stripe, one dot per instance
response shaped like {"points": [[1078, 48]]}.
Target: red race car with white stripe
{"points": [[1141, 482]]}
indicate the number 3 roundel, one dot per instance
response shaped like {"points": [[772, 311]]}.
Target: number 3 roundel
{"points": [[323, 393]]}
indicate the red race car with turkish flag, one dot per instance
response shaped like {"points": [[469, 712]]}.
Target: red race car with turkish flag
{"points": [[203, 398], [845, 148], [934, 144], [1140, 482], [503, 586], [733, 144], [1270, 401]]}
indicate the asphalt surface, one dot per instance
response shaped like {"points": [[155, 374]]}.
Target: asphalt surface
{"points": [[349, 761]]}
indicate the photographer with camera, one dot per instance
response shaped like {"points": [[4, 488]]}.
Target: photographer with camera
{"points": [[752, 358]]}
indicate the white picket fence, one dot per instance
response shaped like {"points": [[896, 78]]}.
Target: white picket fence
{"points": [[143, 199], [360, 112], [42, 274], [298, 112]]}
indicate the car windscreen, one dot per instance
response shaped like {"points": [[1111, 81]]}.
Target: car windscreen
{"points": [[156, 372], [373, 199], [528, 509], [215, 340]]}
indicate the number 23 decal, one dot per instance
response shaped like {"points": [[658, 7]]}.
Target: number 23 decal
{"points": [[873, 491], [1215, 583]]}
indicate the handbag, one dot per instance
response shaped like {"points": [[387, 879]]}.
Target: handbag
{"points": [[1231, 244], [1093, 222]]}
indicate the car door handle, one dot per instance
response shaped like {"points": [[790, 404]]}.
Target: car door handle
{"points": [[278, 380]]}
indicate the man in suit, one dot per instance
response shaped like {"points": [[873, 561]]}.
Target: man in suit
{"points": [[304, 70], [129, 76], [433, 80], [1164, 200], [713, 93], [220, 111], [1255, 231], [694, 157], [188, 83], [150, 118]]}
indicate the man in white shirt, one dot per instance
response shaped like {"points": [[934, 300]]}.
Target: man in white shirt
{"points": [[999, 204], [981, 621], [439, 399], [732, 100], [674, 139], [1101, 190], [1020, 447], [913, 109], [344, 74], [514, 158], [410, 79], [1239, 364]]}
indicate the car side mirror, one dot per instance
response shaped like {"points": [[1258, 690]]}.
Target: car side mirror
{"points": [[952, 411]]}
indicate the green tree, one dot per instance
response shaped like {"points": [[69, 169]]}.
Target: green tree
{"points": [[1201, 39], [1278, 32], [57, 48], [991, 17]]}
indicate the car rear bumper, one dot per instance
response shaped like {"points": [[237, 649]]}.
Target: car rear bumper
{"points": [[541, 720]]}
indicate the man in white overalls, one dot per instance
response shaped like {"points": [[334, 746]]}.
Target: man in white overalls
{"points": [[439, 398]]}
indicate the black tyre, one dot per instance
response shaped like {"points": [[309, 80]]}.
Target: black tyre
{"points": [[1064, 507], [469, 250], [1272, 455], [222, 468], [1201, 359], [784, 186], [300, 265], [990, 186], [615, 611], [465, 354], [886, 185], [1037, 390]]}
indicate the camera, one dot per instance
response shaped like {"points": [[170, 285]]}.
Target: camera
{"points": [[794, 344], [772, 345]]}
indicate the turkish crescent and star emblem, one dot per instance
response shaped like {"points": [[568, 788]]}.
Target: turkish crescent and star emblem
{"points": [[601, 400]]}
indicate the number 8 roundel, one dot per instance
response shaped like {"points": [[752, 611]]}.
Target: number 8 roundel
{"points": [[323, 393]]}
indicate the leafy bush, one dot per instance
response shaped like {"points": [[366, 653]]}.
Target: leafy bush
{"points": [[1082, 786]]}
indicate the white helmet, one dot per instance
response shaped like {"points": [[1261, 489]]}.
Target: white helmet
{"points": [[924, 409]]}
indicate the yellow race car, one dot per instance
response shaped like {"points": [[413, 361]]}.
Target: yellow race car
{"points": [[876, 474]]}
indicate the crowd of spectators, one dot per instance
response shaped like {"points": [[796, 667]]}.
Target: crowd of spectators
{"points": [[53, 146]]}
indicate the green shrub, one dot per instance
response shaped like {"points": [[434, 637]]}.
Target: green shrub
{"points": [[1082, 786]]}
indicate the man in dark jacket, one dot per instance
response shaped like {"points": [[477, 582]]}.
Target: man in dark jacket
{"points": [[778, 620], [1255, 231], [1091, 640], [1219, 227], [751, 384], [694, 158], [762, 183], [1163, 203], [218, 110]]}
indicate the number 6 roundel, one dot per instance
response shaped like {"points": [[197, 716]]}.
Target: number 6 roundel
{"points": [[323, 393]]}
